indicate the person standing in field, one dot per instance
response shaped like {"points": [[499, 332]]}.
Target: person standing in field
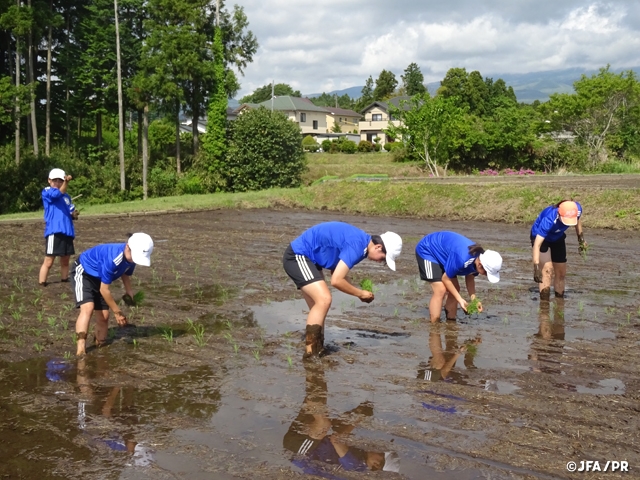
{"points": [[94, 271], [549, 249], [442, 257], [338, 247], [59, 232]]}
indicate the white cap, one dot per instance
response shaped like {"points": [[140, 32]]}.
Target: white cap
{"points": [[393, 246], [391, 462], [141, 247], [56, 173], [492, 262]]}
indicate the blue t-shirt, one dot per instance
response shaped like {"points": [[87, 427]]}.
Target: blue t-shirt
{"points": [[548, 224], [106, 262], [327, 243], [449, 249], [57, 212]]}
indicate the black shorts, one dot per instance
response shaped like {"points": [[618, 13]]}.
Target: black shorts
{"points": [[301, 269], [558, 248], [86, 288], [58, 245], [429, 271]]}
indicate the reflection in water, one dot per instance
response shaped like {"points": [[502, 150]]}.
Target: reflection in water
{"points": [[319, 442], [112, 403], [548, 343], [441, 365]]}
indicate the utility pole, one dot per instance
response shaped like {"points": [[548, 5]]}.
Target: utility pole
{"points": [[272, 90]]}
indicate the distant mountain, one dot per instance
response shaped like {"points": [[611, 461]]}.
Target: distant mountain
{"points": [[353, 92]]}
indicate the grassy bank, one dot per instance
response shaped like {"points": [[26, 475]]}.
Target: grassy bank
{"points": [[342, 165], [616, 209]]}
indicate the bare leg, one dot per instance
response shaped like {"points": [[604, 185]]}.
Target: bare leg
{"points": [[451, 304], [318, 298], [560, 271], [82, 326], [102, 326], [547, 271], [64, 267], [44, 269], [435, 304]]}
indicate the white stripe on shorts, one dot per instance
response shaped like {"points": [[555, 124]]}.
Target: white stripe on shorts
{"points": [[78, 279], [306, 445], [50, 244], [428, 269], [304, 268]]}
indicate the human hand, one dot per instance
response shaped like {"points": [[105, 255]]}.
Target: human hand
{"points": [[464, 304], [68, 178], [75, 214], [479, 304], [366, 296], [128, 300], [121, 319], [537, 273], [582, 245]]}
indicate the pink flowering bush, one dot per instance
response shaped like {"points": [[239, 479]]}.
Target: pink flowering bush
{"points": [[490, 172]]}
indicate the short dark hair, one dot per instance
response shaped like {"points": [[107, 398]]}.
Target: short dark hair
{"points": [[475, 250], [377, 240]]}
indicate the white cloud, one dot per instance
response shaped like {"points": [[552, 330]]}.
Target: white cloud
{"points": [[322, 46]]}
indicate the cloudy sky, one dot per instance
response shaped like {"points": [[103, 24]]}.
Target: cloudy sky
{"points": [[325, 45]]}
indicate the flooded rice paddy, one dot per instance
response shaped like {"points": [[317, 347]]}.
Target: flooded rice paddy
{"points": [[208, 380]]}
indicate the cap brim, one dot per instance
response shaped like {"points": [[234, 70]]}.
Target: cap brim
{"points": [[493, 277], [569, 221], [391, 263], [140, 258]]}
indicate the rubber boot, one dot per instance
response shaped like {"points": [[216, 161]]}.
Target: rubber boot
{"points": [[559, 295], [312, 340]]}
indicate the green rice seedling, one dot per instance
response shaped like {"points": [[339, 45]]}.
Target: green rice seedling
{"points": [[256, 355], [228, 324], [138, 281], [580, 306], [190, 324], [67, 355], [472, 348], [19, 342], [167, 334], [290, 361], [18, 285], [472, 306], [138, 297], [135, 343], [197, 269], [505, 320], [39, 317], [198, 334], [111, 334], [17, 315], [1, 309], [235, 348], [367, 285], [229, 337], [395, 312], [38, 348], [52, 321], [64, 296]]}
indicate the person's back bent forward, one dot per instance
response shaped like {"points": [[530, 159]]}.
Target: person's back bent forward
{"points": [[338, 247]]}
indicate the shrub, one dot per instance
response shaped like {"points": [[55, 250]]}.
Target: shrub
{"points": [[162, 183], [400, 155], [310, 144], [365, 146], [348, 146], [377, 147], [190, 184], [265, 151], [326, 145]]}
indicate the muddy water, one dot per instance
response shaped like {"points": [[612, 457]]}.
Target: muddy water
{"points": [[515, 392]]}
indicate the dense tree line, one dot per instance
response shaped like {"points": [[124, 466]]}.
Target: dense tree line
{"points": [[476, 123], [72, 69]]}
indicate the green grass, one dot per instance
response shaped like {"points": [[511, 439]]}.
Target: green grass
{"points": [[506, 202], [472, 306]]}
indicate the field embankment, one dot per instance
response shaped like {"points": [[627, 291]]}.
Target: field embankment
{"points": [[509, 201]]}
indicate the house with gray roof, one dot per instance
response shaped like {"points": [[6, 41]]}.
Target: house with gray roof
{"points": [[311, 118]]}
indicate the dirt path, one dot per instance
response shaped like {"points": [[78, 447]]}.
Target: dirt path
{"points": [[533, 387]]}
